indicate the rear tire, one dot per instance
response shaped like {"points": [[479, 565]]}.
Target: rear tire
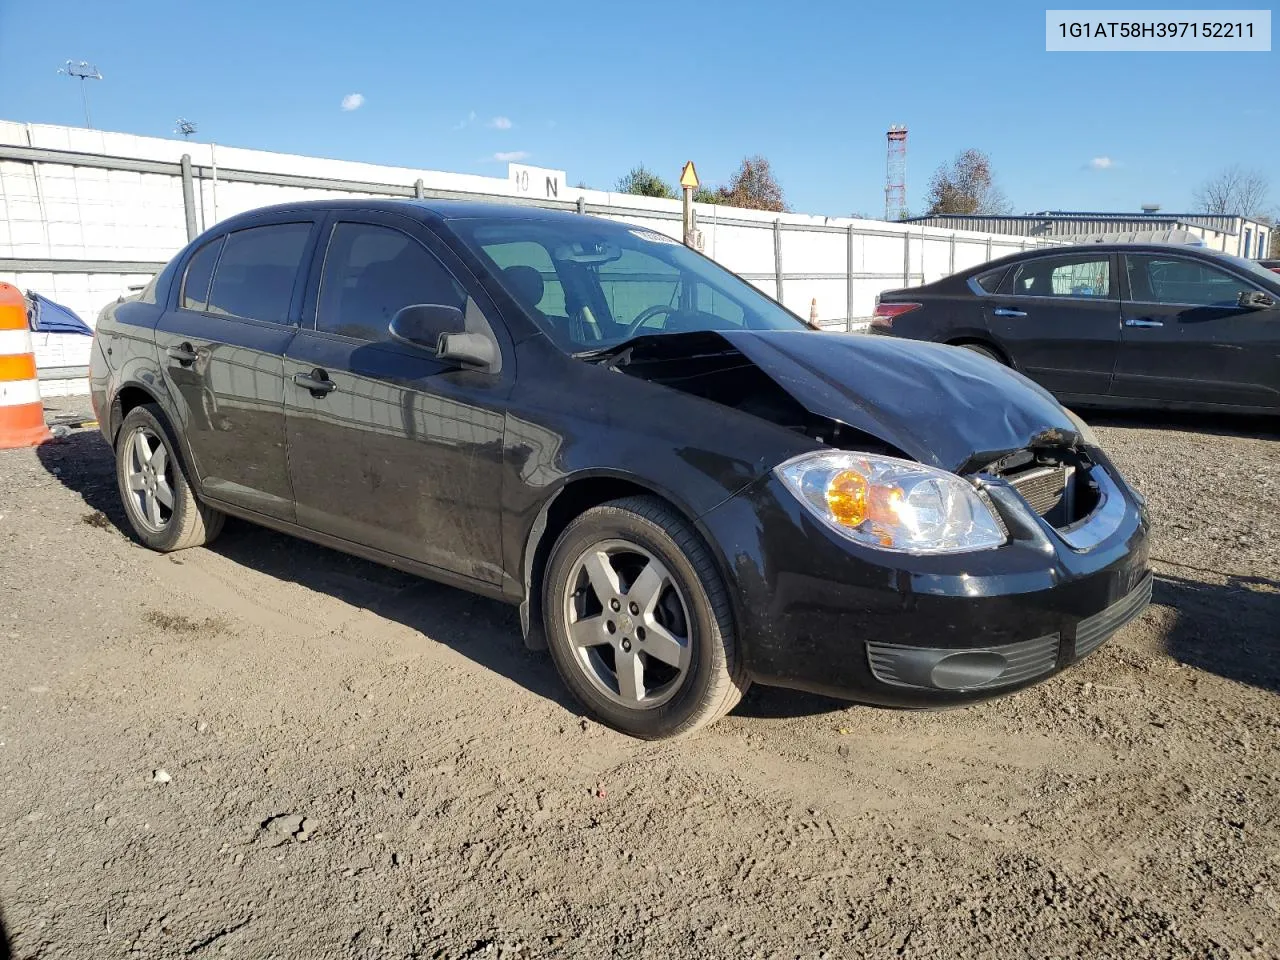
{"points": [[163, 511], [984, 351], [639, 622]]}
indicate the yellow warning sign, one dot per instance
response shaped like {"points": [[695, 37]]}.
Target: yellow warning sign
{"points": [[689, 176]]}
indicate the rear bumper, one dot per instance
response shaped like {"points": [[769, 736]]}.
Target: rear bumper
{"points": [[818, 613]]}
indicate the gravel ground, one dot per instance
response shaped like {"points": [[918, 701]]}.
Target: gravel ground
{"points": [[269, 749]]}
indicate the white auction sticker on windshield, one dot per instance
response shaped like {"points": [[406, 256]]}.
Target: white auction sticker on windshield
{"points": [[653, 237]]}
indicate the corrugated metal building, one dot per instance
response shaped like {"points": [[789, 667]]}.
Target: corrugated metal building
{"points": [[1243, 236]]}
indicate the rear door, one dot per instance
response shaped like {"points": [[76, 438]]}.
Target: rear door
{"points": [[397, 449], [1058, 319], [1187, 340], [221, 347]]}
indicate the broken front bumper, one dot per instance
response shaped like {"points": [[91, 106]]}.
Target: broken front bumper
{"points": [[816, 612]]}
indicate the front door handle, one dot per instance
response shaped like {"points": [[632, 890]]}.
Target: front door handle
{"points": [[184, 353], [1008, 312], [317, 381], [1142, 322]]}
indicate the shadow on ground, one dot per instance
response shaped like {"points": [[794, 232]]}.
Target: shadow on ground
{"points": [[1232, 629]]}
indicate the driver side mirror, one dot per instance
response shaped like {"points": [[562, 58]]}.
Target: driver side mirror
{"points": [[442, 330], [1255, 300]]}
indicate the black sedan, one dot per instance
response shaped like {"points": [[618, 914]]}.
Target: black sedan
{"points": [[683, 488], [1120, 325]]}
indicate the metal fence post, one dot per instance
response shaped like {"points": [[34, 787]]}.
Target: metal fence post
{"points": [[419, 190], [951, 263], [906, 259], [189, 197], [988, 248], [777, 256], [848, 293], [582, 205]]}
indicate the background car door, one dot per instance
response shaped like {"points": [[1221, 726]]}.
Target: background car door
{"points": [[1058, 318], [404, 452], [221, 348], [1186, 339]]}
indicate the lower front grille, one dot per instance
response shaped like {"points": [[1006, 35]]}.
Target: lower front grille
{"points": [[973, 668], [1092, 631]]}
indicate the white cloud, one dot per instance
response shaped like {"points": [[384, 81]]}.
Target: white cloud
{"points": [[463, 124], [1101, 163], [511, 156], [352, 101], [501, 123]]}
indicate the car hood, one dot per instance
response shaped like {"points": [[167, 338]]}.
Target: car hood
{"points": [[943, 406]]}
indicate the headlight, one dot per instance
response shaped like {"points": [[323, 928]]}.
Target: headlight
{"points": [[892, 504]]}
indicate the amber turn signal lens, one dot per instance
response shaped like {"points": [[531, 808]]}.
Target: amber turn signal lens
{"points": [[847, 497]]}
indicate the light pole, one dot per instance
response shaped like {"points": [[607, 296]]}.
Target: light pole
{"points": [[82, 71]]}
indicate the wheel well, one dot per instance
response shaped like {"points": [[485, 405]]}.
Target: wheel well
{"points": [[126, 400], [572, 501], [980, 342]]}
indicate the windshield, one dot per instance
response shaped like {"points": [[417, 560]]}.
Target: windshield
{"points": [[1252, 267], [591, 284]]}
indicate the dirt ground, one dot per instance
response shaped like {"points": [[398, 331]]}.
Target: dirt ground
{"points": [[267, 749]]}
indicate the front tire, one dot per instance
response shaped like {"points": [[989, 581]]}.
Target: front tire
{"points": [[639, 622], [163, 511]]}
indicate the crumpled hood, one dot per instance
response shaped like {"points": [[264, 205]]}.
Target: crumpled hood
{"points": [[943, 406]]}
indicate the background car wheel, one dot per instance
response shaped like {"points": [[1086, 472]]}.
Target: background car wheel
{"points": [[639, 622], [985, 351], [162, 508]]}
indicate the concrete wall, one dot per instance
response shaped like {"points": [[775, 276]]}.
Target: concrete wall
{"points": [[84, 214]]}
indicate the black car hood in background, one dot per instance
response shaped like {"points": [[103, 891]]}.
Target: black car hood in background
{"points": [[943, 406]]}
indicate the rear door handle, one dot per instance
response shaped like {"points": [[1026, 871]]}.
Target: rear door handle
{"points": [[1008, 312], [184, 353], [317, 381], [1142, 322]]}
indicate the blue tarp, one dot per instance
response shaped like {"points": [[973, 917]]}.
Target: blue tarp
{"points": [[48, 317]]}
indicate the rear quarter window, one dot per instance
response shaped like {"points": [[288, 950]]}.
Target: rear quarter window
{"points": [[990, 280]]}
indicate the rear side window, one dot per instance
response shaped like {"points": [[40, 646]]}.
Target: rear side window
{"points": [[990, 281], [1062, 277], [257, 270], [370, 273], [195, 282]]}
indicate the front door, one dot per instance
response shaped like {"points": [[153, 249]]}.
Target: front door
{"points": [[1058, 318], [221, 347], [389, 446], [1187, 340]]}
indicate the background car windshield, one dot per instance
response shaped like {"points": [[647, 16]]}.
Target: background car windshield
{"points": [[593, 285]]}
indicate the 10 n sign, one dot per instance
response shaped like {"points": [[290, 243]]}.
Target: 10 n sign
{"points": [[536, 182]]}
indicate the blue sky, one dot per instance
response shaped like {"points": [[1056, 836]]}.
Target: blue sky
{"points": [[594, 88]]}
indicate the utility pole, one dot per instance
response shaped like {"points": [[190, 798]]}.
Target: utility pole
{"points": [[82, 71]]}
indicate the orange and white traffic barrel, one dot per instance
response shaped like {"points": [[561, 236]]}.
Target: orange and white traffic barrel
{"points": [[21, 412]]}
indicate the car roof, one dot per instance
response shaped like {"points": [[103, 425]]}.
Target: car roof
{"points": [[419, 209], [1085, 248]]}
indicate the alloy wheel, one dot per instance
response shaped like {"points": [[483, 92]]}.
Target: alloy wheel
{"points": [[628, 623], [149, 476]]}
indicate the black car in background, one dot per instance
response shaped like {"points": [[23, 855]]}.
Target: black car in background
{"points": [[683, 488], [1122, 325], [1272, 265]]}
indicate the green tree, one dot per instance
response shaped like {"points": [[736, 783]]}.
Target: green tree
{"points": [[966, 186], [643, 182], [706, 194]]}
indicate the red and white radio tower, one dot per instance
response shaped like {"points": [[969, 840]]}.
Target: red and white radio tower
{"points": [[895, 174]]}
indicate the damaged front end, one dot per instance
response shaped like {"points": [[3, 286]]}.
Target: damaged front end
{"points": [[943, 408]]}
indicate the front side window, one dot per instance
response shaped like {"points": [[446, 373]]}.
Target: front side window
{"points": [[613, 281], [370, 273], [1155, 279], [1064, 277], [255, 275], [195, 282]]}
